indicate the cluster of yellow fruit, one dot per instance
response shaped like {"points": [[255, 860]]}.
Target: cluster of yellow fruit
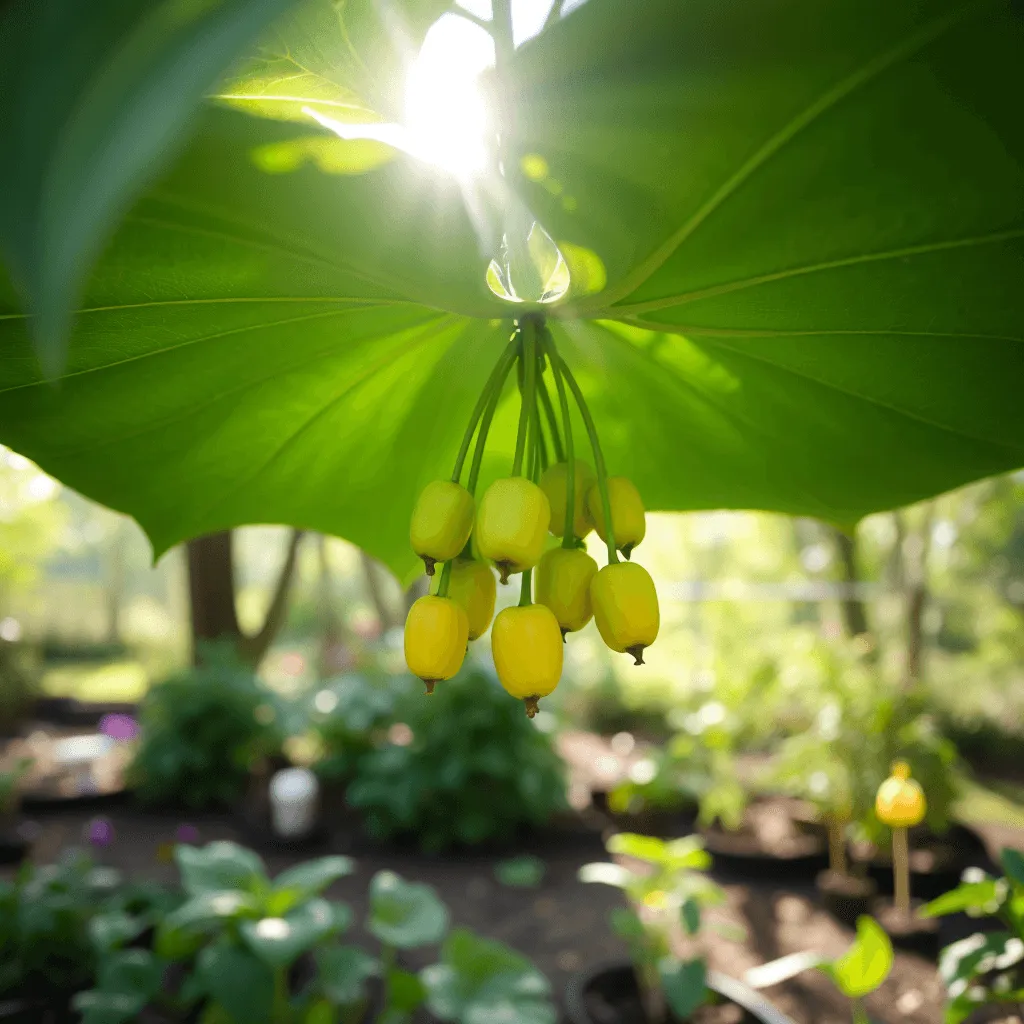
{"points": [[509, 528]]}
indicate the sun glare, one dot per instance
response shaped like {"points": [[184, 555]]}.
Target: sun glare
{"points": [[446, 113]]}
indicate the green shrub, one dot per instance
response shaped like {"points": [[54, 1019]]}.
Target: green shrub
{"points": [[46, 916], [19, 684], [201, 732], [350, 715], [475, 769]]}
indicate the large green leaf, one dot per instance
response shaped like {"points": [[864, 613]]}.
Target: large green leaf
{"points": [[809, 218], [92, 96]]}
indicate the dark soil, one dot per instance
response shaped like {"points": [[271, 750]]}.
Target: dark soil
{"points": [[613, 998], [776, 832], [915, 934], [562, 924], [844, 896]]}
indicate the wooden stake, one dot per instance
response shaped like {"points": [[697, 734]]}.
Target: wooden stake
{"points": [[901, 871]]}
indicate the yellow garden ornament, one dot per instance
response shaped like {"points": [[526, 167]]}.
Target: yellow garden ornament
{"points": [[512, 525], [900, 801], [900, 804], [554, 483], [527, 647], [472, 587], [436, 635], [441, 522], [564, 576], [628, 519], [626, 608]]}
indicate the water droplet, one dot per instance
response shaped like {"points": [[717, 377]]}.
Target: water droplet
{"points": [[529, 266]]}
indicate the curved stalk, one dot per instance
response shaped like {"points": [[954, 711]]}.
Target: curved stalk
{"points": [[528, 329], [549, 409], [485, 422], [446, 575], [496, 379], [595, 444], [525, 589], [569, 532]]}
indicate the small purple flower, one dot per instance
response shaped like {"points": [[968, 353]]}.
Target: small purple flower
{"points": [[186, 834], [100, 832], [119, 727]]}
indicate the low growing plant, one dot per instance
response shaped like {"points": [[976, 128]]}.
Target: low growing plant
{"points": [[47, 917], [857, 973], [987, 968], [474, 769], [667, 896], [202, 731], [255, 950]]}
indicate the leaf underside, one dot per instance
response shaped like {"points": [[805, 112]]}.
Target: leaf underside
{"points": [[811, 225]]}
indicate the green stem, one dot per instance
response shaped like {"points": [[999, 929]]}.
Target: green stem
{"points": [[860, 1015], [496, 379], [446, 575], [525, 589], [595, 444], [569, 531], [485, 422], [528, 329], [549, 411], [280, 1005]]}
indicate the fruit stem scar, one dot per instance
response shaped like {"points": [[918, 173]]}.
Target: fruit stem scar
{"points": [[637, 650], [531, 706], [599, 465]]}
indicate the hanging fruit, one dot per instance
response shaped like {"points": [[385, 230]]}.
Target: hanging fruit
{"points": [[554, 483], [527, 647], [627, 513], [626, 608], [441, 522], [563, 585], [510, 526], [436, 635], [472, 588]]}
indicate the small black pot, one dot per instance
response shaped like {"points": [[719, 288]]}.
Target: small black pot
{"points": [[845, 898], [619, 976]]}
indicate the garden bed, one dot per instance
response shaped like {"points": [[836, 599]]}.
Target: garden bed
{"points": [[561, 924]]}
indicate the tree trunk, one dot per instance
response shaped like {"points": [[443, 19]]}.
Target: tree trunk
{"points": [[371, 574], [855, 616], [212, 594], [211, 588], [916, 574]]}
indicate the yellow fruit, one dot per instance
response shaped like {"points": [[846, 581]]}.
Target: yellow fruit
{"points": [[628, 521], [626, 608], [436, 634], [472, 588], [527, 647], [900, 801], [563, 584], [441, 522], [512, 524], [554, 483]]}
